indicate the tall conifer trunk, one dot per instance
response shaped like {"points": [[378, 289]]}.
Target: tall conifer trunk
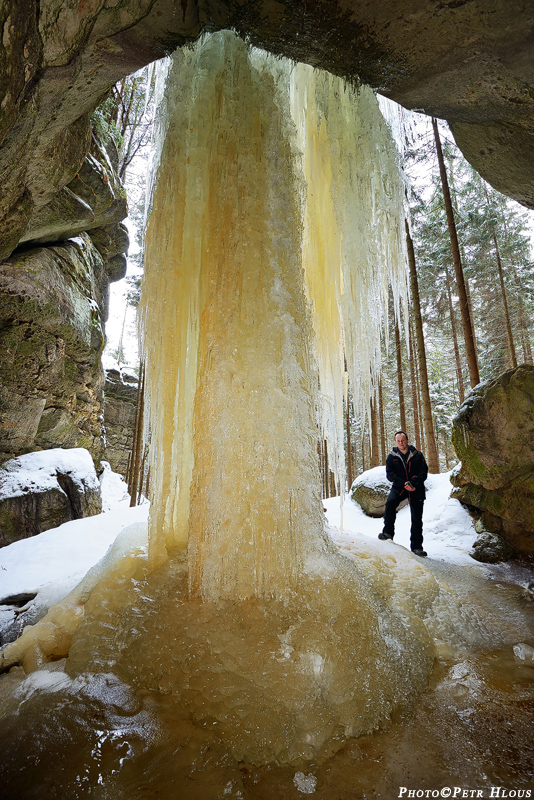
{"points": [[138, 438], [525, 334], [459, 373], [415, 399], [431, 448], [350, 477], [375, 454], [472, 360], [509, 334], [383, 432], [400, 379]]}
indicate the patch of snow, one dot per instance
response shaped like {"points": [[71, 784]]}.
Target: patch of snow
{"points": [[55, 561], [113, 488]]}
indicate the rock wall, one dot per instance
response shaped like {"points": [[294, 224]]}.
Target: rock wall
{"points": [[468, 62], [493, 435], [53, 306], [120, 397]]}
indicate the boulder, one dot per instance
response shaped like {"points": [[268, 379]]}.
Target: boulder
{"points": [[491, 548], [493, 435], [42, 490], [370, 490]]}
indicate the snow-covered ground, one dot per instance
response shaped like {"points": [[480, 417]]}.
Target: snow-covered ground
{"points": [[447, 527], [53, 562], [448, 532]]}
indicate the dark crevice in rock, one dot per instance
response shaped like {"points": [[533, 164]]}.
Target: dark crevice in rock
{"points": [[73, 496], [18, 600]]}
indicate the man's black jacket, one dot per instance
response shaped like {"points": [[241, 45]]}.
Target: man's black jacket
{"points": [[415, 471]]}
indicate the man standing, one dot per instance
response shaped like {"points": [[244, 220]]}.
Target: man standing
{"points": [[407, 470]]}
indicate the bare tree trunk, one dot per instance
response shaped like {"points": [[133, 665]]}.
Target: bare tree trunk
{"points": [[355, 460], [467, 325], [383, 433], [459, 374], [511, 346], [138, 435], [141, 478], [326, 471], [471, 312], [333, 487], [525, 335], [364, 459], [398, 351], [349, 445], [147, 488], [431, 448], [131, 460], [375, 454], [415, 402]]}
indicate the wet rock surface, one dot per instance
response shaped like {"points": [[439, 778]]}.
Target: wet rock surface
{"points": [[493, 435]]}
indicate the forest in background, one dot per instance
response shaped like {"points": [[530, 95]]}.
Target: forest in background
{"points": [[472, 284], [494, 253]]}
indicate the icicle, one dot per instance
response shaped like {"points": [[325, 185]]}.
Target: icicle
{"points": [[353, 236]]}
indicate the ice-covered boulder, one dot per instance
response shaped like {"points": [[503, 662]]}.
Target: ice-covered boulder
{"points": [[42, 490], [370, 490]]}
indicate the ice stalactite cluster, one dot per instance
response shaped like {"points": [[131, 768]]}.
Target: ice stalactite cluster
{"points": [[275, 231], [353, 238], [227, 335]]}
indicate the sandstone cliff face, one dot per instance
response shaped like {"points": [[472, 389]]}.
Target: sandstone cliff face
{"points": [[53, 306], [120, 397], [51, 338], [493, 435]]}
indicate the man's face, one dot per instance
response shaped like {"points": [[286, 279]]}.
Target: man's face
{"points": [[402, 442]]}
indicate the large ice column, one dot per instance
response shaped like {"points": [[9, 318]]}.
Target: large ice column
{"points": [[227, 333], [276, 229]]}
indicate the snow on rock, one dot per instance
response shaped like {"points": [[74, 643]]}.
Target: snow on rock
{"points": [[50, 565], [373, 478], [370, 490], [41, 490]]}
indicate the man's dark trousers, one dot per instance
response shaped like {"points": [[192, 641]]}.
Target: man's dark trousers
{"points": [[416, 510]]}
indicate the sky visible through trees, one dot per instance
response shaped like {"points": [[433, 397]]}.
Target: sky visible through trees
{"points": [[495, 237]]}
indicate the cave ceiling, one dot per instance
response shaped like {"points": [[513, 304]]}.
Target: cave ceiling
{"points": [[467, 61]]}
